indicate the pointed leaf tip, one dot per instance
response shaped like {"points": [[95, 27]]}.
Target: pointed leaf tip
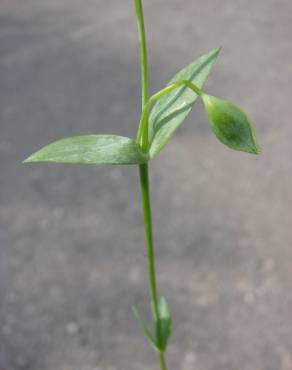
{"points": [[231, 125]]}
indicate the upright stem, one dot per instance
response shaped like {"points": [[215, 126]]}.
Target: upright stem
{"points": [[143, 52], [145, 192], [162, 361], [144, 175]]}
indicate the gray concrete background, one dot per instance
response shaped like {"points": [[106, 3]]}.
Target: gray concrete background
{"points": [[72, 258]]}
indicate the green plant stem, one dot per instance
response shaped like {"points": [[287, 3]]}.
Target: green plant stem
{"points": [[143, 52], [145, 192], [162, 361], [144, 175]]}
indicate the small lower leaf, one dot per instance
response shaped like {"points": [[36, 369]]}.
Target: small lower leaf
{"points": [[145, 328], [163, 324], [91, 149]]}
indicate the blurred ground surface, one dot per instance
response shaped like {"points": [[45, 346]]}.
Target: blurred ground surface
{"points": [[72, 259]]}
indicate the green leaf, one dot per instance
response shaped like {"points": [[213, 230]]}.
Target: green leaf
{"points": [[91, 149], [163, 324], [145, 328], [230, 124], [170, 111]]}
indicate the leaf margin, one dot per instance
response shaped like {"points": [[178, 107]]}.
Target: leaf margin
{"points": [[124, 151]]}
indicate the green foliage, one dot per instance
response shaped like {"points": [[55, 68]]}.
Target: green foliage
{"points": [[231, 126], [172, 105], [91, 149], [157, 125], [163, 324], [171, 110], [145, 329]]}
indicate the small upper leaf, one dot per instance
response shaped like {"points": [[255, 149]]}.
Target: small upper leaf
{"points": [[171, 110], [91, 149], [230, 124]]}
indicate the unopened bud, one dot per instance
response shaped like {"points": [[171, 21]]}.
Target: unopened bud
{"points": [[230, 124]]}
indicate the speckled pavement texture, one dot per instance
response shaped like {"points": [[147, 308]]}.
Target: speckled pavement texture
{"points": [[72, 256]]}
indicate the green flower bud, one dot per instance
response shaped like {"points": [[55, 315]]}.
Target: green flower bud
{"points": [[231, 126]]}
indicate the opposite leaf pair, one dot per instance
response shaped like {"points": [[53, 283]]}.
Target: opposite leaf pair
{"points": [[162, 323], [172, 105]]}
